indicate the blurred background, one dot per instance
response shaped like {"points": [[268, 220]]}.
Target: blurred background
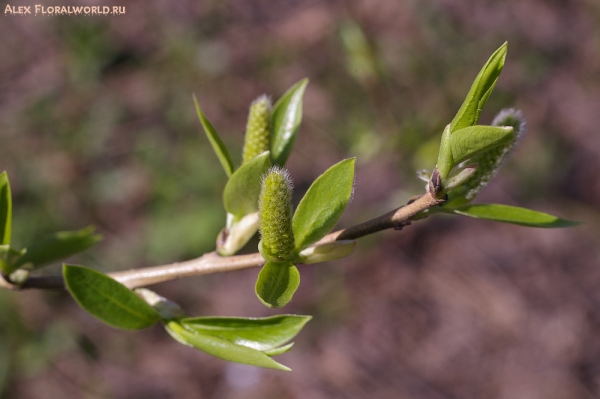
{"points": [[97, 127]]}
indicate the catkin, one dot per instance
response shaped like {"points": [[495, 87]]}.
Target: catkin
{"points": [[275, 215], [258, 129]]}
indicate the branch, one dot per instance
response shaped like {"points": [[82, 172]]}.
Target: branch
{"points": [[213, 263]]}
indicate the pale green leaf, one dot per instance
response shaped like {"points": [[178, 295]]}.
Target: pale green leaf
{"points": [[482, 87], [222, 348], [286, 119], [215, 141], [240, 196], [59, 246], [262, 334], [107, 299], [511, 214], [277, 283], [5, 209], [323, 204]]}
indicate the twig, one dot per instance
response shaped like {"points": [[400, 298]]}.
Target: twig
{"points": [[213, 263]]}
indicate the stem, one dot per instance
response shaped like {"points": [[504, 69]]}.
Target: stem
{"points": [[211, 262]]}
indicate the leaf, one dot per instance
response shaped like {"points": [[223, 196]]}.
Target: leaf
{"points": [[473, 140], [222, 348], [262, 334], [286, 118], [277, 283], [5, 209], [323, 204], [511, 214], [59, 246], [240, 196], [482, 87], [215, 141], [107, 299]]}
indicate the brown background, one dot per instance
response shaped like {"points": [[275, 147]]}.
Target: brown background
{"points": [[97, 127]]}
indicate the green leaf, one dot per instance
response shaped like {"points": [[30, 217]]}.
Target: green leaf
{"points": [[59, 246], [5, 209], [277, 283], [107, 299], [473, 140], [215, 141], [286, 118], [445, 161], [262, 334], [222, 348], [323, 204], [482, 87], [511, 214], [240, 196]]}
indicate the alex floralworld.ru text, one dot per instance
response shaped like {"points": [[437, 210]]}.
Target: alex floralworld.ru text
{"points": [[63, 10]]}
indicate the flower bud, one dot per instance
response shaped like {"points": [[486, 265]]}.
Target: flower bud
{"points": [[258, 129], [275, 215], [489, 162]]}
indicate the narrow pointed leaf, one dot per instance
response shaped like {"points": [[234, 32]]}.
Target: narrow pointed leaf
{"points": [[482, 87], [222, 348], [5, 209], [215, 141], [323, 204], [107, 299], [473, 140], [59, 246], [257, 333], [445, 162], [286, 118], [511, 214], [277, 283], [240, 196]]}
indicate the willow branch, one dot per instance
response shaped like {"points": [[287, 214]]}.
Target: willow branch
{"points": [[213, 263]]}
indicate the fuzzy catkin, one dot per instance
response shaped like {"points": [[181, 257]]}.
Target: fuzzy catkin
{"points": [[258, 129], [489, 162], [275, 215]]}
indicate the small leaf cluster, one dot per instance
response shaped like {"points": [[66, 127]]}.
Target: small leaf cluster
{"points": [[242, 340], [470, 154], [286, 237], [270, 136], [16, 264]]}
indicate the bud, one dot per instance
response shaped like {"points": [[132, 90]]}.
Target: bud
{"points": [[326, 252], [275, 215], [258, 129], [166, 309], [489, 162], [235, 235]]}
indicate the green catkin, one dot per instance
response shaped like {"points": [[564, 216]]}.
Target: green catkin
{"points": [[489, 162], [258, 129], [275, 215]]}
